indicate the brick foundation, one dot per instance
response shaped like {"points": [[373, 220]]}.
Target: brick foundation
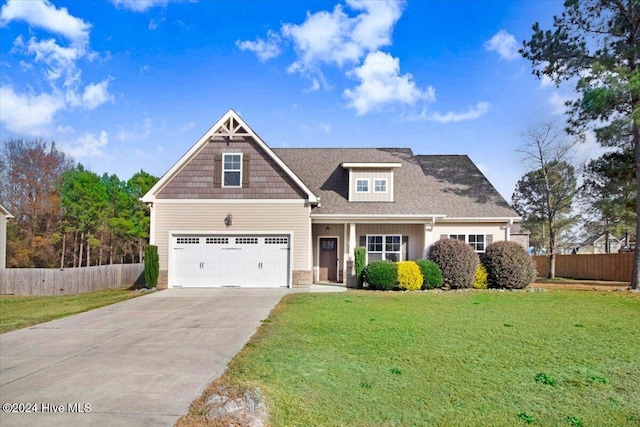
{"points": [[301, 279], [163, 280]]}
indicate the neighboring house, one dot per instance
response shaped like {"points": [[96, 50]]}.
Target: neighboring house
{"points": [[235, 212], [598, 245], [4, 217]]}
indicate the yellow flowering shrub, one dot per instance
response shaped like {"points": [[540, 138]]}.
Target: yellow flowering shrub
{"points": [[481, 277], [409, 276]]}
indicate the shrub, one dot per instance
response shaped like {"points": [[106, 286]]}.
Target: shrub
{"points": [[508, 265], [431, 274], [151, 266], [382, 275], [359, 256], [457, 262], [481, 278], [409, 276]]}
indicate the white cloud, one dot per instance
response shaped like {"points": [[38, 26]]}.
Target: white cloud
{"points": [[381, 84], [264, 49], [474, 112], [143, 132], [504, 44], [188, 126], [153, 24], [96, 94], [558, 103], [336, 38], [27, 113], [139, 5], [43, 14], [59, 61], [88, 145]]}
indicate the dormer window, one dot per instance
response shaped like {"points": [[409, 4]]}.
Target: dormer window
{"points": [[371, 182], [232, 170], [362, 186]]}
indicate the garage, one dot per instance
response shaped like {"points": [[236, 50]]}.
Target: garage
{"points": [[255, 261]]}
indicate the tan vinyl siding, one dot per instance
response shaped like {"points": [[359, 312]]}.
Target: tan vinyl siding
{"points": [[371, 195], [497, 230], [414, 231], [203, 218]]}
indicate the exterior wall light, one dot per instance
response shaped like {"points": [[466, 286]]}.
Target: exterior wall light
{"points": [[228, 220]]}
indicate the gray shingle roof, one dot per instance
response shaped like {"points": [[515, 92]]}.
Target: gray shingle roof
{"points": [[424, 185]]}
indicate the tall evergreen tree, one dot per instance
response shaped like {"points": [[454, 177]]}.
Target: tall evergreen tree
{"points": [[597, 44]]}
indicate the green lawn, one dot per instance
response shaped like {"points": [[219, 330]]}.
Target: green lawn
{"points": [[451, 359], [19, 312]]}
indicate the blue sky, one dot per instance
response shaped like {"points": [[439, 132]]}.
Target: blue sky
{"points": [[130, 85]]}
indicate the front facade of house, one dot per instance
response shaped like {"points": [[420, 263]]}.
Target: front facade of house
{"points": [[234, 212]]}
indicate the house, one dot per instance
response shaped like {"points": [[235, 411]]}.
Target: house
{"points": [[4, 217], [521, 236], [597, 244], [235, 212]]}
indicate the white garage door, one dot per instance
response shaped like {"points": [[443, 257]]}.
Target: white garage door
{"points": [[217, 260]]}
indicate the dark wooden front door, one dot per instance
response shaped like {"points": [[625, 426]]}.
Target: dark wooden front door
{"points": [[328, 259]]}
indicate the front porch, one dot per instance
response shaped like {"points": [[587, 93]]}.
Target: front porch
{"points": [[334, 243]]}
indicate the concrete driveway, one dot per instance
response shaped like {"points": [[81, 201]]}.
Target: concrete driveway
{"points": [[138, 362]]}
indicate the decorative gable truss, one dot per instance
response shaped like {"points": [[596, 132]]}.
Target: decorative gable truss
{"points": [[228, 129]]}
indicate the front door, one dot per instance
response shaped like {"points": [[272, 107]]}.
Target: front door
{"points": [[328, 259]]}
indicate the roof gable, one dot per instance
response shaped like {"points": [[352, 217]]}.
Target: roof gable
{"points": [[229, 127]]}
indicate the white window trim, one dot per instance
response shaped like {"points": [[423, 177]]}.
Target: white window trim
{"points": [[386, 185], [384, 251], [466, 240], [224, 170], [358, 180]]}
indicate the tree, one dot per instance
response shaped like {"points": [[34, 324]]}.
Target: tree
{"points": [[597, 44], [30, 173], [609, 192], [544, 195]]}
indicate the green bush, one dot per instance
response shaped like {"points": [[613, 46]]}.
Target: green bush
{"points": [[409, 276], [359, 257], [431, 274], [508, 265], [457, 262], [151, 266], [481, 278], [382, 275]]}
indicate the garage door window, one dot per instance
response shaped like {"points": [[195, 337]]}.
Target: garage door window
{"points": [[246, 240], [188, 240], [217, 241]]}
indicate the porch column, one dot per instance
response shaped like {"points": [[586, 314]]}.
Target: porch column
{"points": [[352, 239], [428, 231]]}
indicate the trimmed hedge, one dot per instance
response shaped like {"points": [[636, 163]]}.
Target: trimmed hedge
{"points": [[409, 276], [359, 256], [381, 275], [508, 265], [481, 278], [457, 261], [151, 266], [431, 274]]}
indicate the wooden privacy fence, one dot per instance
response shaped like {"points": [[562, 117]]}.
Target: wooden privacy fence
{"points": [[616, 267], [51, 281]]}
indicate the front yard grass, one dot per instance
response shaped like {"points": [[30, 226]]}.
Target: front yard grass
{"points": [[21, 311], [453, 359]]}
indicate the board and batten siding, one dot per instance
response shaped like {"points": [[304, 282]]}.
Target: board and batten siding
{"points": [[208, 218], [371, 195]]}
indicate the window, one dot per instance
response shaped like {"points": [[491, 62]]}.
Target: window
{"points": [[380, 186], [232, 170], [460, 237], [385, 247], [477, 242], [362, 186]]}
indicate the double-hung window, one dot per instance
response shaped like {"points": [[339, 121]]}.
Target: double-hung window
{"points": [[362, 186], [461, 237], [384, 247], [477, 242], [379, 185], [232, 170]]}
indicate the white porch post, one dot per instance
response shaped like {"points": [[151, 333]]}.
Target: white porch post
{"points": [[428, 234], [352, 239]]}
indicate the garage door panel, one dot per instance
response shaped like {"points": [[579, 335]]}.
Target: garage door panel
{"points": [[242, 260]]}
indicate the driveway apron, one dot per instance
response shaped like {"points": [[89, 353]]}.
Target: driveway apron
{"points": [[138, 362]]}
